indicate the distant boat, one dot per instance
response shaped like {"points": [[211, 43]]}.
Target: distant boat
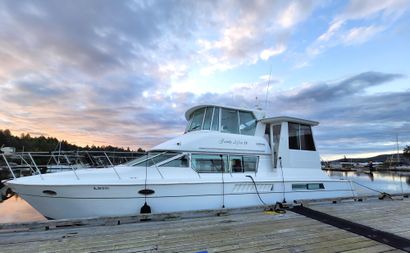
{"points": [[227, 158], [53, 168]]}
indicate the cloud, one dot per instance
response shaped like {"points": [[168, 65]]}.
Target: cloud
{"points": [[106, 71], [360, 35], [343, 30], [268, 53], [329, 91], [359, 9], [251, 33]]}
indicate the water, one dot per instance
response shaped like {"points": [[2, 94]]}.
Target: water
{"points": [[16, 209], [381, 181]]}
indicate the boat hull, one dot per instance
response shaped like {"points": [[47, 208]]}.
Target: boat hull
{"points": [[79, 201]]}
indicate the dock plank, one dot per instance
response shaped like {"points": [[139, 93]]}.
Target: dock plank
{"points": [[391, 216], [254, 231]]}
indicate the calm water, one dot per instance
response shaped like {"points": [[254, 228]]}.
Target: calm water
{"points": [[17, 210]]}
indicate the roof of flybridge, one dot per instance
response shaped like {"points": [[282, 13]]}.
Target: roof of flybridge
{"points": [[280, 119]]}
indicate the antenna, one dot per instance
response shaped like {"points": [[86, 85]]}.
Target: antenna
{"points": [[267, 87]]}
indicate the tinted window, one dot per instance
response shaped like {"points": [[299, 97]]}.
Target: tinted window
{"points": [[152, 158], [236, 163], [208, 118], [215, 120], [209, 163], [306, 138], [179, 162], [197, 118], [247, 123], [229, 121], [311, 186], [300, 137], [250, 163], [293, 136]]}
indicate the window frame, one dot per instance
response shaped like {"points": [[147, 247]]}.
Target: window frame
{"points": [[299, 138], [239, 122], [308, 186], [232, 112], [228, 157]]}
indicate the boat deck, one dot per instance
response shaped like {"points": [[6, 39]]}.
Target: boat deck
{"points": [[242, 230]]}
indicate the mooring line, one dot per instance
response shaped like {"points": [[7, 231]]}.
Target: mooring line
{"points": [[387, 238]]}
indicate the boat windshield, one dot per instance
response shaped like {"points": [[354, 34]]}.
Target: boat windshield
{"points": [[222, 119], [152, 158]]}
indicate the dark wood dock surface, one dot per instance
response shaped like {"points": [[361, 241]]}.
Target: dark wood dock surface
{"points": [[252, 230]]}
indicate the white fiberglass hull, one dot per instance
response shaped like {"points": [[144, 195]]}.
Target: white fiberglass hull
{"points": [[79, 201]]}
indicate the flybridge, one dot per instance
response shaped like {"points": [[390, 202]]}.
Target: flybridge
{"points": [[287, 138]]}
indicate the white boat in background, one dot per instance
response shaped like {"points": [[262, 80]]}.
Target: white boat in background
{"points": [[227, 158]]}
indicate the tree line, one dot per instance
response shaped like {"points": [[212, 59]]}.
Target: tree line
{"points": [[36, 144], [406, 151]]}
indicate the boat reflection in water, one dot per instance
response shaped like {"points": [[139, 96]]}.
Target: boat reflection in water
{"points": [[227, 158]]}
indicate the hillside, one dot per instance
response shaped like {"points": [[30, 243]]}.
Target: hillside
{"points": [[42, 143], [378, 158]]}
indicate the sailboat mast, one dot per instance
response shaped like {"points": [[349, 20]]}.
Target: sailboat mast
{"points": [[397, 144]]}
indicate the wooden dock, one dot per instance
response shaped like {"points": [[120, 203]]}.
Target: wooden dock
{"points": [[244, 230]]}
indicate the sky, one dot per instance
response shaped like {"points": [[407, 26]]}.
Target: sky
{"points": [[124, 72]]}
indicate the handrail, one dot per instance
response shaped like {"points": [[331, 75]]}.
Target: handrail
{"points": [[35, 165], [8, 166], [29, 165], [33, 162], [72, 167], [116, 172]]}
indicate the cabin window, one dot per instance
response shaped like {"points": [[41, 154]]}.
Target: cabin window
{"points": [[197, 118], [310, 186], [224, 120], [236, 163], [247, 123], [306, 138], [300, 137], [250, 163], [209, 163], [208, 118], [179, 162], [215, 120], [294, 136], [229, 121], [243, 163]]}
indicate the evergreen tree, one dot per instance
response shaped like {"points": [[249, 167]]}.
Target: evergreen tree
{"points": [[27, 143], [406, 151]]}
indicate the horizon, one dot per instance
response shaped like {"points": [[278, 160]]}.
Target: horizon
{"points": [[123, 73]]}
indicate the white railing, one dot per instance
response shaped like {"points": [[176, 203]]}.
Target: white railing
{"points": [[16, 164]]}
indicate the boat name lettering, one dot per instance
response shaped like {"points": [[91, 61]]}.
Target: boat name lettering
{"points": [[233, 142], [101, 187]]}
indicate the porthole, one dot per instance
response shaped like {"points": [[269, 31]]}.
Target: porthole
{"points": [[50, 192], [146, 192]]}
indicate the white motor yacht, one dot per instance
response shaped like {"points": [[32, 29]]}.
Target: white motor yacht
{"points": [[227, 158]]}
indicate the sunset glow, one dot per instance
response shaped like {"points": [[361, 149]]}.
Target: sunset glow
{"points": [[123, 73]]}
